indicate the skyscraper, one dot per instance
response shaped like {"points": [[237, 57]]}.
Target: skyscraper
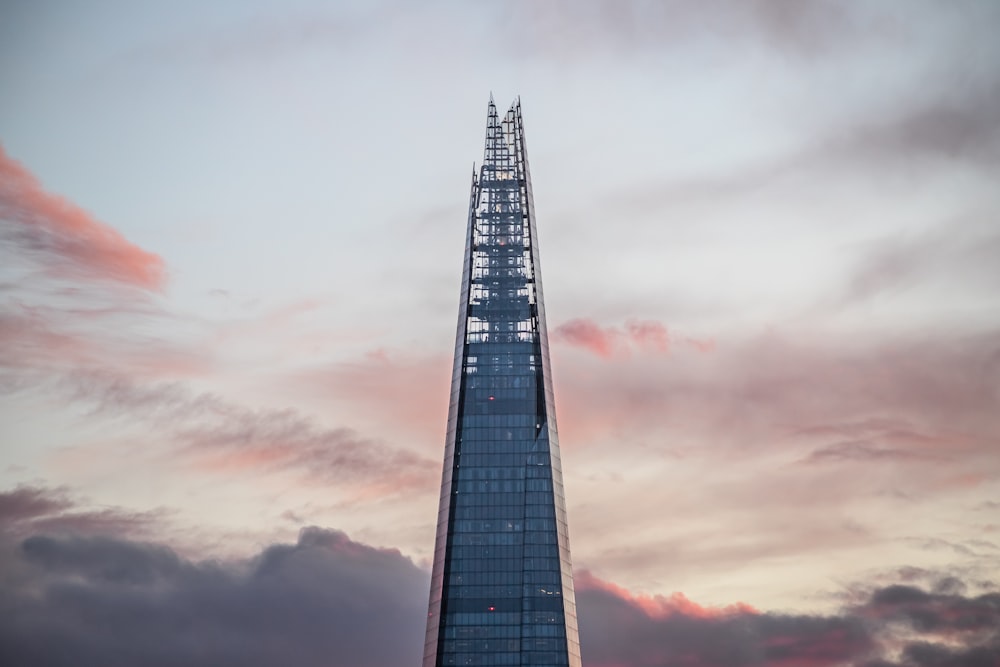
{"points": [[502, 582]]}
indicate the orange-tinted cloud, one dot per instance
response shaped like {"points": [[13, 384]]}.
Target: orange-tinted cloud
{"points": [[619, 629], [588, 335], [607, 342], [66, 239], [659, 606]]}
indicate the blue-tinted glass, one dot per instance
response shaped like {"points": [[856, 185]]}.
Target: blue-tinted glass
{"points": [[502, 581]]}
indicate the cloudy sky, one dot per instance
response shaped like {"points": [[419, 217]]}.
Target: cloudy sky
{"points": [[230, 254]]}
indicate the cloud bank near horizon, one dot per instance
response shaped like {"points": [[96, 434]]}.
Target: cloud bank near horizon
{"points": [[85, 597]]}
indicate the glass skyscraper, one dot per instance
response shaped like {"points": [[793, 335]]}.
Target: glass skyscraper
{"points": [[502, 582]]}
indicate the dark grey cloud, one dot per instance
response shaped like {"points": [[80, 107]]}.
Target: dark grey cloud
{"points": [[322, 601], [27, 502], [617, 630], [922, 654], [112, 520], [102, 559], [930, 628], [328, 600], [942, 612]]}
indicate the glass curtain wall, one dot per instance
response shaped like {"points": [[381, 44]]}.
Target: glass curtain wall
{"points": [[502, 586]]}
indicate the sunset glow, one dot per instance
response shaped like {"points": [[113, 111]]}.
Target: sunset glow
{"points": [[231, 237]]}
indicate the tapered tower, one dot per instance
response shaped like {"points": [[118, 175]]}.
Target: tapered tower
{"points": [[502, 582]]}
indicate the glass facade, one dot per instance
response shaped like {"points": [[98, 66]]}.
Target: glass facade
{"points": [[502, 581]]}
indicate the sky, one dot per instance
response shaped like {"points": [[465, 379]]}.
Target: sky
{"points": [[231, 241]]}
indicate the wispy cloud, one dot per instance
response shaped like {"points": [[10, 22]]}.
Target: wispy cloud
{"points": [[961, 252], [931, 134], [64, 239], [63, 333], [28, 340], [581, 28], [960, 126], [917, 390], [775, 445], [32, 509], [217, 436], [863, 451]]}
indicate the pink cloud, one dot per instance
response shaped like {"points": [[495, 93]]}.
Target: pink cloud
{"points": [[607, 342], [649, 334], [27, 339], [797, 444], [588, 335], [919, 395], [74, 241], [415, 387], [621, 629], [705, 345], [314, 455], [659, 606]]}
